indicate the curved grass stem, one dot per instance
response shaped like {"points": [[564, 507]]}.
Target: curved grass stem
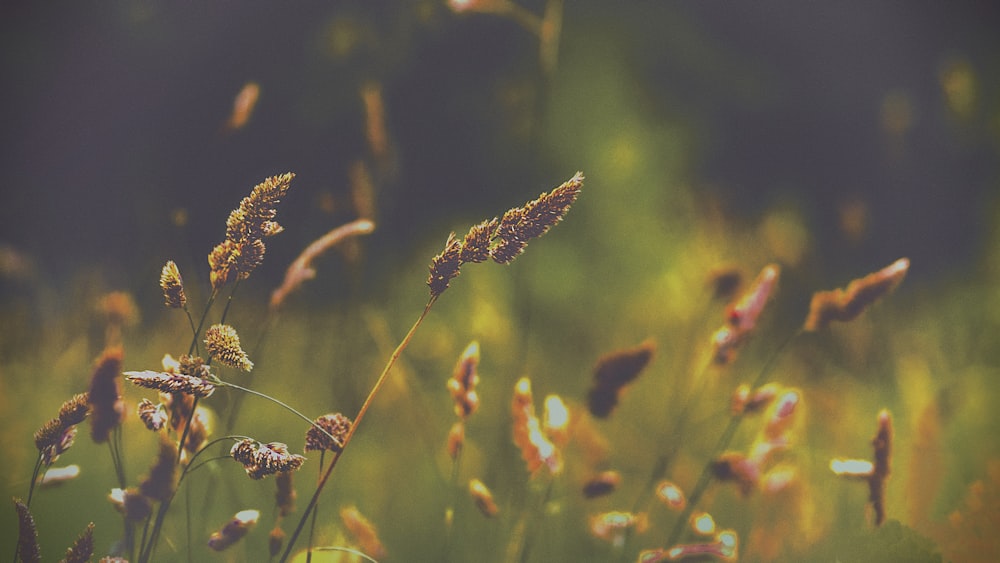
{"points": [[354, 427]]}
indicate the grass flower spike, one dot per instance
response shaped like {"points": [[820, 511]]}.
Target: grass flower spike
{"points": [[463, 381], [171, 382], [741, 316], [27, 537], [846, 304], [234, 530], [505, 239], [336, 425], [243, 249], [260, 460], [173, 286], [223, 344], [613, 372], [83, 548]]}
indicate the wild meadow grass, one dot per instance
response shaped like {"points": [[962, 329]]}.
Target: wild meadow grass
{"points": [[731, 447], [651, 381]]}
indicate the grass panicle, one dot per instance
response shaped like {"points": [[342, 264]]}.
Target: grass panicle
{"points": [[223, 344]]}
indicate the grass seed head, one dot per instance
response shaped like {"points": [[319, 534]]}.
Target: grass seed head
{"points": [[234, 530], [223, 344], [173, 286], [847, 304], [27, 536], [336, 425], [83, 548]]}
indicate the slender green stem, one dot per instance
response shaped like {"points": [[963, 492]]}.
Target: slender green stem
{"points": [[538, 513], [312, 525], [34, 479], [354, 427], [194, 331], [201, 322], [456, 465], [278, 402]]}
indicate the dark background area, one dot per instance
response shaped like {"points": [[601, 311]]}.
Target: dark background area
{"points": [[113, 118]]}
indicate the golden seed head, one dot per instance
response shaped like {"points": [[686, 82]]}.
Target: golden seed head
{"points": [[336, 425], [246, 227], [505, 239], [173, 286], [223, 344]]}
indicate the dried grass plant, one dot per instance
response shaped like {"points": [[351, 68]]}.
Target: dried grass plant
{"points": [[682, 477]]}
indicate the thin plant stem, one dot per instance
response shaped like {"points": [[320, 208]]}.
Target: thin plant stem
{"points": [[312, 525], [540, 510], [354, 427], [201, 322], [34, 479], [456, 465], [727, 435], [278, 402], [194, 330]]}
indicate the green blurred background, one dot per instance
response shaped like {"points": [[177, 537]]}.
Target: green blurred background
{"points": [[830, 137]]}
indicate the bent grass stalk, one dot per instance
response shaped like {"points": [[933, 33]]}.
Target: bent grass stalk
{"points": [[357, 422]]}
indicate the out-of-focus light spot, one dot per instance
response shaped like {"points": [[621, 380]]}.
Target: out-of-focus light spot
{"points": [[179, 217], [852, 218], [958, 81], [786, 235], [703, 523], [897, 113], [858, 468]]}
